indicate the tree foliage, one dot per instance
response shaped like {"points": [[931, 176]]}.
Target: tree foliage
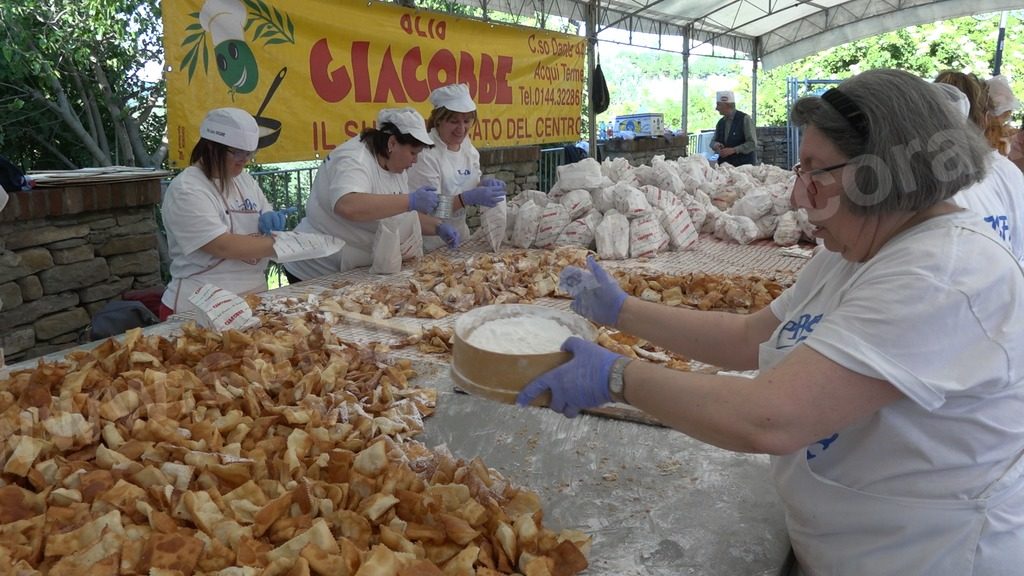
{"points": [[71, 91]]}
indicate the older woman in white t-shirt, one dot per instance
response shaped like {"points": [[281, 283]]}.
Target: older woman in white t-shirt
{"points": [[217, 219], [363, 182], [452, 166], [890, 382]]}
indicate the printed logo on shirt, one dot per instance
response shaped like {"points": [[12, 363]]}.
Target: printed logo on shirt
{"points": [[1000, 224], [463, 172], [246, 205], [814, 450], [795, 331]]}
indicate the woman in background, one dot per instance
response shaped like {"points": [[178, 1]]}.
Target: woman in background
{"points": [[363, 182], [217, 218], [452, 166]]}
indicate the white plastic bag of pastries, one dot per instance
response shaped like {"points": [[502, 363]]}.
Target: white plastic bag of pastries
{"points": [[646, 236], [630, 201], [553, 219], [494, 221], [527, 221], [612, 236], [682, 235], [579, 202]]}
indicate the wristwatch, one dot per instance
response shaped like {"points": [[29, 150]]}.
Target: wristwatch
{"points": [[616, 384]]}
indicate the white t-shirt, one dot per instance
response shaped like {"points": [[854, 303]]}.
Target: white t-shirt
{"points": [[997, 199], [450, 172], [195, 213], [936, 313], [351, 167]]}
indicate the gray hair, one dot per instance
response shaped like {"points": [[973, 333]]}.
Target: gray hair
{"points": [[915, 153]]}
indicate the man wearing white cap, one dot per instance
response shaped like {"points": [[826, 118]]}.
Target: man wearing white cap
{"points": [[363, 182], [996, 199], [217, 219], [453, 164], [735, 135]]}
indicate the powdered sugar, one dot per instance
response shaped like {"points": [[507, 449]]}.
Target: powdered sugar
{"points": [[520, 335]]}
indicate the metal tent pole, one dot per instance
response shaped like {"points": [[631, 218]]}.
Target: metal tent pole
{"points": [[685, 120], [999, 45], [591, 64]]}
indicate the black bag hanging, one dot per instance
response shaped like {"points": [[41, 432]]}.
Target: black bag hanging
{"points": [[599, 97]]}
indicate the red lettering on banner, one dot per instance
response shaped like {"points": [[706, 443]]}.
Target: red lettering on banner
{"points": [[388, 82], [417, 88], [466, 75], [441, 62], [517, 128], [489, 85], [330, 85], [419, 26]]}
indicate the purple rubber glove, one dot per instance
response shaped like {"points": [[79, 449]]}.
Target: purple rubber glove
{"points": [[596, 295], [489, 193], [423, 200], [274, 220], [579, 383], [449, 234]]}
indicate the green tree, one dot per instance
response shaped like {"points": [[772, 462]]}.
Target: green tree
{"points": [[71, 85]]}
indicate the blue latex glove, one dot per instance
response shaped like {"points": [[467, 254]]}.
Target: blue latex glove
{"points": [[423, 200], [596, 295], [489, 193], [579, 383], [274, 221], [449, 234]]}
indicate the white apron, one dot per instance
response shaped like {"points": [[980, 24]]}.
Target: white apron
{"points": [[461, 183], [839, 531], [238, 276]]}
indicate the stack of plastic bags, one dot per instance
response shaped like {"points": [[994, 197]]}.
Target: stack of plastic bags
{"points": [[624, 211]]}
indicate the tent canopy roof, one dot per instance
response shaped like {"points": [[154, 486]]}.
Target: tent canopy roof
{"points": [[774, 31]]}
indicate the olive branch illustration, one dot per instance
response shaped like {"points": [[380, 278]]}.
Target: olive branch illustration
{"points": [[274, 27]]}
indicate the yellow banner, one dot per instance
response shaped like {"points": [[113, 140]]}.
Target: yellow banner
{"points": [[314, 73]]}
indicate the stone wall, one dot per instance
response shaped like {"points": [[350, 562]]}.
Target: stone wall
{"points": [[65, 253], [772, 143]]}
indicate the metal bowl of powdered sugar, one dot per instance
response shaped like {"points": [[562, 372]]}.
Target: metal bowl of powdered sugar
{"points": [[499, 349]]}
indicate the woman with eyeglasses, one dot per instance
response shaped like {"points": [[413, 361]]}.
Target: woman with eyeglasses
{"points": [[452, 166], [217, 219], [890, 384], [364, 182]]}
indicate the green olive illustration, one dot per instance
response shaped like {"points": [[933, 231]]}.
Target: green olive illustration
{"points": [[236, 65]]}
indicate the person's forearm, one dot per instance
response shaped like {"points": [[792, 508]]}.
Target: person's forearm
{"points": [[363, 207], [428, 224], [718, 410], [240, 247], [718, 338]]}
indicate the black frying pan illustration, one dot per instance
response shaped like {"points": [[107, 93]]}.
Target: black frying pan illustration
{"points": [[270, 128]]}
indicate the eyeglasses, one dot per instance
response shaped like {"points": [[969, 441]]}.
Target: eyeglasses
{"points": [[241, 154], [807, 175]]}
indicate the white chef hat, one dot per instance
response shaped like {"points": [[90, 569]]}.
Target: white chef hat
{"points": [[407, 120], [954, 96], [454, 97], [725, 96], [232, 127], [1000, 96], [223, 19]]}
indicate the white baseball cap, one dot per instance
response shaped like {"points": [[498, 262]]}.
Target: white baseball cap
{"points": [[1000, 96], [454, 97], [725, 96], [408, 121], [232, 127], [954, 96]]}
